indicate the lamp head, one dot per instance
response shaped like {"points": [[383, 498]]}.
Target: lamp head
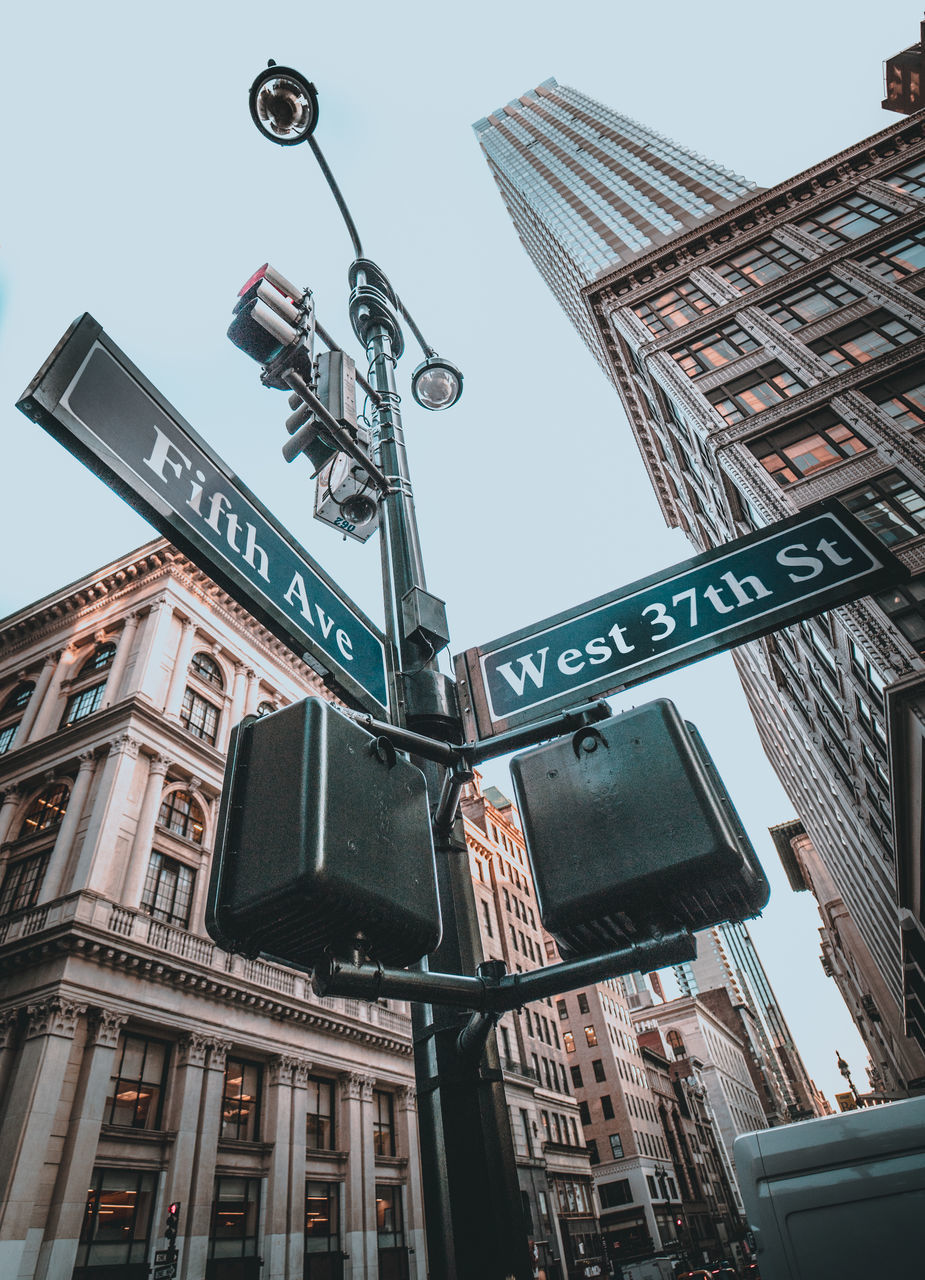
{"points": [[359, 509], [436, 383], [284, 105]]}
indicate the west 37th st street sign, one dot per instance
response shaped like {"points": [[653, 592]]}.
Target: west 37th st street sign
{"points": [[715, 601], [91, 398]]}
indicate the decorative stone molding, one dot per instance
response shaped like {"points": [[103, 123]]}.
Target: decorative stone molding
{"points": [[105, 1026], [218, 1052], [895, 444], [191, 1049], [300, 1072], [281, 1069], [9, 1021], [11, 794], [407, 1097], [158, 765], [878, 642], [125, 745], [358, 1087], [56, 1016]]}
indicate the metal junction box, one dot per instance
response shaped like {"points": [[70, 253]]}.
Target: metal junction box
{"points": [[324, 833], [630, 833]]}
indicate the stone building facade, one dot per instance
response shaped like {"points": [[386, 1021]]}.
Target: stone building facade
{"points": [[139, 1064]]}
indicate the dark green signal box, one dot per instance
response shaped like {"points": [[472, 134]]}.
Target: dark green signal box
{"points": [[630, 834], [324, 835]]}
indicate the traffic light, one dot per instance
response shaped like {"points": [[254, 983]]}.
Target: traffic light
{"points": [[173, 1221], [631, 834], [270, 315], [323, 837]]}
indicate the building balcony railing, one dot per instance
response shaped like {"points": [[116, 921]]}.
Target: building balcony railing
{"points": [[89, 910]]}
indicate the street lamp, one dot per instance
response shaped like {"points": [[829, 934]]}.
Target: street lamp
{"points": [[467, 1152]]}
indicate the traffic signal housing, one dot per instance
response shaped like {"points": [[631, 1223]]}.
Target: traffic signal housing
{"points": [[269, 315], [631, 834], [324, 838], [173, 1222]]}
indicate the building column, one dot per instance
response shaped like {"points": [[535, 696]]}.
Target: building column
{"points": [[78, 1155], [252, 696], [54, 883], [152, 650], [47, 713], [12, 797], [277, 1221], [138, 860], [360, 1239], [38, 697], [202, 1181], [9, 1022], [105, 847], [184, 1106], [407, 1126], [296, 1248], [178, 676], [34, 1093], [113, 690]]}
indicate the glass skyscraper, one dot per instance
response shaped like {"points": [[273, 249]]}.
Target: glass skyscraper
{"points": [[588, 188]]}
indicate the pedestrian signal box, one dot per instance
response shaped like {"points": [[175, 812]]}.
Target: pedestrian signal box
{"points": [[630, 834], [324, 835]]}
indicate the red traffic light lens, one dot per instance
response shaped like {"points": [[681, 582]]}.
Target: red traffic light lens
{"points": [[255, 279]]}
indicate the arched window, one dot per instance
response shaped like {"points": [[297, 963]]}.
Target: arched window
{"points": [[25, 874], [99, 660], [46, 810], [181, 814], [266, 708], [206, 668], [676, 1043], [18, 697]]}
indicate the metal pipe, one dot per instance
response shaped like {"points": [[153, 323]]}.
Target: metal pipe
{"points": [[444, 753], [490, 994], [336, 193], [445, 812], [566, 722]]}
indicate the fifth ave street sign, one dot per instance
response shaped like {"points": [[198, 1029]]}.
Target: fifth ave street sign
{"points": [[801, 566], [95, 402]]}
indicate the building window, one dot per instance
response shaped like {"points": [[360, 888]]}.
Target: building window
{"points": [[569, 1041], [46, 811], [182, 815], [319, 1122], [576, 1076], [100, 659], [614, 1194], [910, 179], [22, 882], [754, 392], [606, 1106], [235, 1214], [593, 1155], [759, 264], [616, 1146], [206, 668], [847, 220], [241, 1100], [715, 349], [12, 710], [486, 914], [383, 1123], [322, 1228], [597, 1066], [810, 302], [199, 717], [676, 1043], [905, 607], [82, 704], [19, 697], [591, 1036], [584, 1112], [867, 673], [674, 308], [901, 397], [903, 257], [890, 506], [863, 340], [116, 1227], [390, 1233], [136, 1087], [168, 890], [561, 1010], [802, 448], [582, 1002]]}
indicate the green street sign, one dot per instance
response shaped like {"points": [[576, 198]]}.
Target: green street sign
{"points": [[715, 601]]}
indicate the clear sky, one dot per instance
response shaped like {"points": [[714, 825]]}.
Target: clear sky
{"points": [[138, 189]]}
